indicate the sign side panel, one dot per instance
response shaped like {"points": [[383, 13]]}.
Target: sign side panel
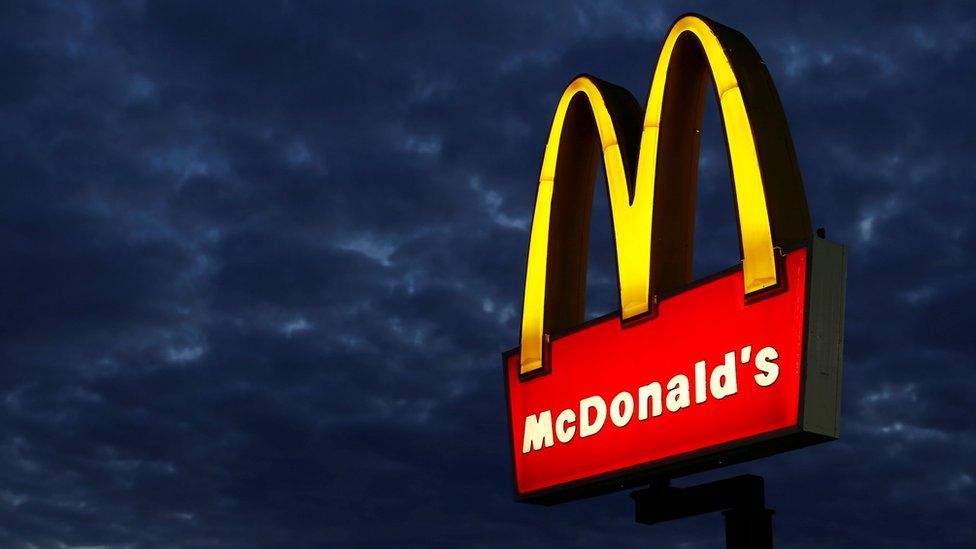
{"points": [[825, 338]]}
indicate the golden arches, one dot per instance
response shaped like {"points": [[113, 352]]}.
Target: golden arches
{"points": [[591, 113], [631, 221]]}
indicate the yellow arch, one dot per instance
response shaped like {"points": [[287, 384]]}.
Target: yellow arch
{"points": [[759, 264], [632, 224], [632, 215]]}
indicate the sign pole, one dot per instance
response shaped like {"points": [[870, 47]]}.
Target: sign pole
{"points": [[748, 523]]}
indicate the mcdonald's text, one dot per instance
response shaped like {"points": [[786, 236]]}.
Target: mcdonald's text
{"points": [[651, 400], [709, 379]]}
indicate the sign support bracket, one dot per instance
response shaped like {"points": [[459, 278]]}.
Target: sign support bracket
{"points": [[748, 523]]}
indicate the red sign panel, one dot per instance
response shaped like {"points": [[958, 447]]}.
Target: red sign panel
{"points": [[712, 378]]}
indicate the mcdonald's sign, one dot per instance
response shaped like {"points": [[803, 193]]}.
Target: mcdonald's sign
{"points": [[687, 375]]}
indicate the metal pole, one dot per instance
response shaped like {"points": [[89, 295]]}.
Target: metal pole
{"points": [[748, 528], [748, 524]]}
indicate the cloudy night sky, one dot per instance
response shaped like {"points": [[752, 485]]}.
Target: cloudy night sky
{"points": [[259, 262]]}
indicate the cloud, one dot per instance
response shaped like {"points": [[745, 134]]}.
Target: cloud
{"points": [[260, 263]]}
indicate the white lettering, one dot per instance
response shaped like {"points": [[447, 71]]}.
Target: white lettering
{"points": [[650, 391], [564, 426], [541, 432], [769, 369], [678, 397], [593, 403], [723, 381], [618, 416], [700, 385], [538, 432]]}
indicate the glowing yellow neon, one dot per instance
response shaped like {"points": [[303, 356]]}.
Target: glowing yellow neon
{"points": [[632, 220], [632, 226], [759, 264]]}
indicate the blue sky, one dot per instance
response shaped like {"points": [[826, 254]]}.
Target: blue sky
{"points": [[260, 262]]}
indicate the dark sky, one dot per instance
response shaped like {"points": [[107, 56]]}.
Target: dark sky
{"points": [[259, 263]]}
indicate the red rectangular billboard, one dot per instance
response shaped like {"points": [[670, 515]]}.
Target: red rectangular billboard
{"points": [[711, 378]]}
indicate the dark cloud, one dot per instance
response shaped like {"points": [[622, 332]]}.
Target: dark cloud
{"points": [[260, 260]]}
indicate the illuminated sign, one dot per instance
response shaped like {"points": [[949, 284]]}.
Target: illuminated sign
{"points": [[687, 375]]}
